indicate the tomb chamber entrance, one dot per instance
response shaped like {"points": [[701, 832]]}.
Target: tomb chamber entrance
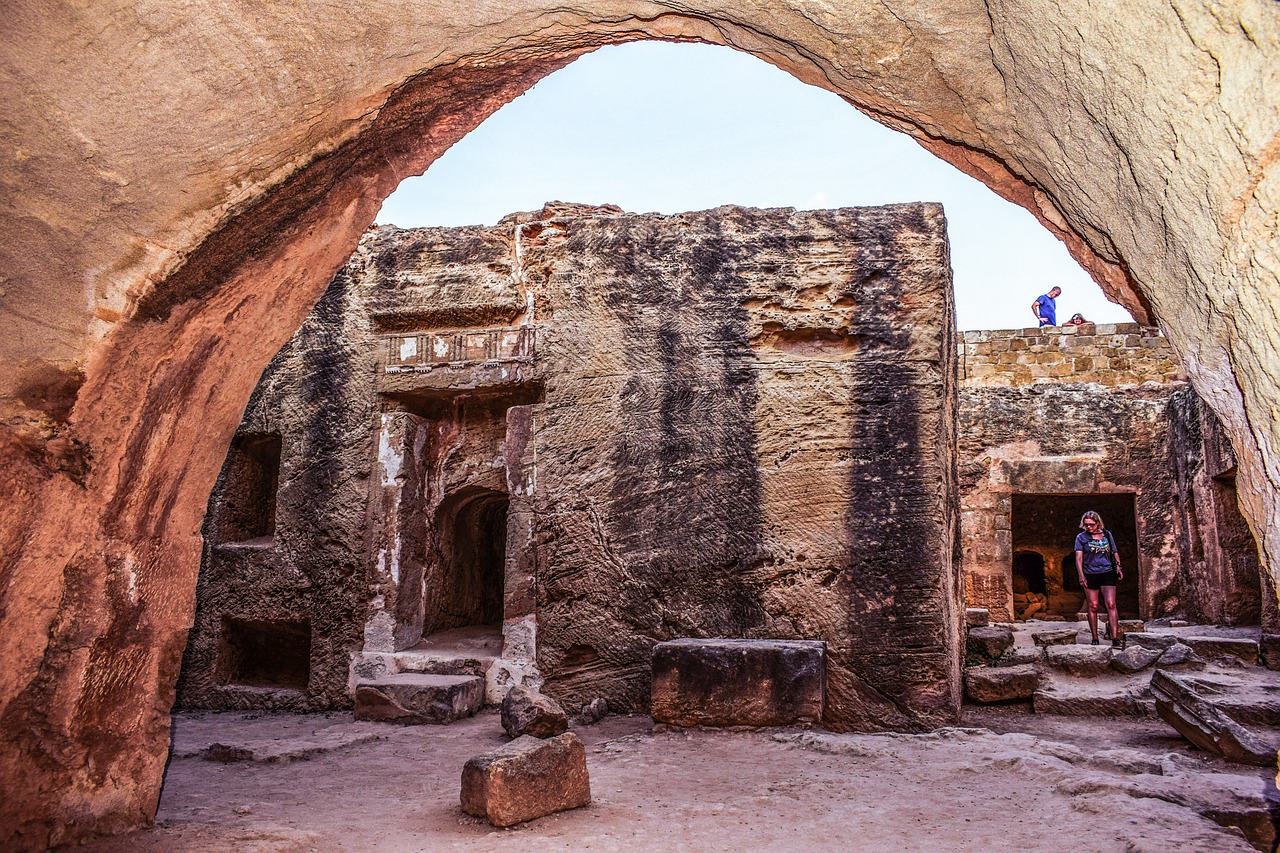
{"points": [[1044, 578], [465, 588]]}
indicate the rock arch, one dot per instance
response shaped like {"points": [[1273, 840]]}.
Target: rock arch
{"points": [[169, 222]]}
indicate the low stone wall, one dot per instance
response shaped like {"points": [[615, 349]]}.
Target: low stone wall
{"points": [[1105, 354]]}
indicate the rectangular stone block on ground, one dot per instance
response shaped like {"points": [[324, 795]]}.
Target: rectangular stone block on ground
{"points": [[525, 779], [414, 699], [738, 682]]}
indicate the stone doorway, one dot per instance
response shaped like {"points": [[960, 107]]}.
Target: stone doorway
{"points": [[466, 590], [1045, 527]]}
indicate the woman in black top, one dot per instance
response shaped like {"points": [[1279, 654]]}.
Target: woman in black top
{"points": [[1098, 564]]}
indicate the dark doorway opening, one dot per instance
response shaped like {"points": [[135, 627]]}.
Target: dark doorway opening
{"points": [[469, 585], [263, 653], [244, 505], [1048, 524]]}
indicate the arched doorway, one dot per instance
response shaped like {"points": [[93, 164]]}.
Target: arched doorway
{"points": [[464, 590]]}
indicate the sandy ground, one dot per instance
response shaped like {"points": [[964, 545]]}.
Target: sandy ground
{"points": [[1008, 780]]}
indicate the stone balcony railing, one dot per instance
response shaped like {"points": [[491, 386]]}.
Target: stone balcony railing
{"points": [[422, 352]]}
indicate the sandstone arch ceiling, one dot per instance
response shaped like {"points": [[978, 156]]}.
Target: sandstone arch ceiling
{"points": [[180, 185]]}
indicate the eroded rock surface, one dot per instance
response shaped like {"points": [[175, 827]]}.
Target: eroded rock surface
{"points": [[155, 258]]}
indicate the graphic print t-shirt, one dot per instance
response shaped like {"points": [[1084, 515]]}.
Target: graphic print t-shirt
{"points": [[1096, 553]]}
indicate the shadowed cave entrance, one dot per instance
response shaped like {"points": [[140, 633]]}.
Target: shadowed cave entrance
{"points": [[466, 590], [1044, 528]]}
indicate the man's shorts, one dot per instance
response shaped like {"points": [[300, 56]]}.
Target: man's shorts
{"points": [[1101, 579]]}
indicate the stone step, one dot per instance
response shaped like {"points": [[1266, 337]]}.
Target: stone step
{"points": [[1099, 696], [415, 698]]}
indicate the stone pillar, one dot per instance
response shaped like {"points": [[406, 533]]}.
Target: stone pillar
{"points": [[518, 664], [397, 528]]}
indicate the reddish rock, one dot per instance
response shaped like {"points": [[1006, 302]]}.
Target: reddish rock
{"points": [[738, 682], [525, 779], [528, 712], [1001, 684], [977, 617], [987, 644]]}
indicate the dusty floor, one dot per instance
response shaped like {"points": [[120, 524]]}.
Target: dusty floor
{"points": [[1009, 780]]}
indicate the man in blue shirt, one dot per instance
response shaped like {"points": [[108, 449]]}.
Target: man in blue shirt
{"points": [[1046, 307]]}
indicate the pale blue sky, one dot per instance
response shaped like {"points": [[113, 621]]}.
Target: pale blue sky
{"points": [[676, 127]]}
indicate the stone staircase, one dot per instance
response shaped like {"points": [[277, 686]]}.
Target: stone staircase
{"points": [[440, 680], [1052, 665]]}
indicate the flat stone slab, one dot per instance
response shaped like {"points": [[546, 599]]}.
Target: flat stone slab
{"points": [[1251, 697], [1056, 637], [1149, 641], [281, 748], [526, 779], [1019, 655], [1124, 626], [1108, 696], [1081, 661], [977, 617], [416, 699], [738, 682], [989, 643], [1201, 722], [1001, 684], [1232, 650]]}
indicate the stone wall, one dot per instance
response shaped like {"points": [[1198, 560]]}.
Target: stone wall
{"points": [[737, 423], [1055, 421], [1104, 354]]}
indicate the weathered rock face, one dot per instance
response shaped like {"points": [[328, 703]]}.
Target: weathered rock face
{"points": [[170, 222], [742, 429], [745, 431]]}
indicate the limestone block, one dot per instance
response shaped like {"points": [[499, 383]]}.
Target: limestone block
{"points": [[1001, 684], [977, 617], [414, 699], [1075, 698], [593, 712], [1079, 660], [1056, 637], [1180, 656], [1201, 722], [1134, 659], [1124, 626], [1149, 641], [528, 712], [989, 643], [1019, 655], [525, 779], [738, 682], [1230, 650]]}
